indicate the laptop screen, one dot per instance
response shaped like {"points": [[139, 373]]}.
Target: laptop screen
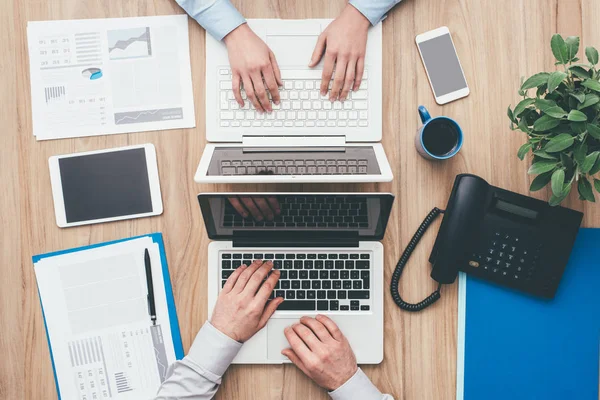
{"points": [[365, 214]]}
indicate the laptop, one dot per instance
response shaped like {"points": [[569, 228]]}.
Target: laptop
{"points": [[326, 246], [306, 138]]}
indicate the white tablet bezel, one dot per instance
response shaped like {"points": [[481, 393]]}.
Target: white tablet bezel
{"points": [[458, 94], [153, 179]]}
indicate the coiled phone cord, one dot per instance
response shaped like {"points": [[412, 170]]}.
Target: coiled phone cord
{"points": [[432, 298]]}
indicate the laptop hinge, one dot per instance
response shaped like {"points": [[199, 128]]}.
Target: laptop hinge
{"points": [[293, 141], [295, 239]]}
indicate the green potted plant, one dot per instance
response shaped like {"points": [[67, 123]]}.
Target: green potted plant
{"points": [[560, 113]]}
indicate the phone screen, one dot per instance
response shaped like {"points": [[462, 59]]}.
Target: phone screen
{"points": [[443, 67]]}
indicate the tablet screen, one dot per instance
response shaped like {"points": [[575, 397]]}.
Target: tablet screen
{"points": [[105, 185]]}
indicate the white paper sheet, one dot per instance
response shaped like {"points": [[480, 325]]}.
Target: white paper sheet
{"points": [[107, 76], [96, 314]]}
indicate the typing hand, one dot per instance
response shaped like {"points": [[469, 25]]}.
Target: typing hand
{"points": [[344, 42], [321, 351], [260, 208], [252, 61], [242, 308]]}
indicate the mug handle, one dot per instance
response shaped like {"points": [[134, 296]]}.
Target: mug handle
{"points": [[424, 114]]}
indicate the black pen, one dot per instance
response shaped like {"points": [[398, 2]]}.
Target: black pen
{"points": [[151, 305]]}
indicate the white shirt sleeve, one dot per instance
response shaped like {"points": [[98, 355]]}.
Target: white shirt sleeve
{"points": [[359, 387], [374, 10], [198, 375], [218, 17]]}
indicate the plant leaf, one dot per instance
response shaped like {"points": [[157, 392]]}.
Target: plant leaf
{"points": [[556, 200], [511, 116], [591, 84], [579, 152], [523, 150], [555, 79], [579, 96], [592, 55], [523, 104], [557, 182], [578, 127], [535, 81], [585, 189], [543, 154], [597, 185], [596, 168], [545, 123], [541, 166], [540, 181], [589, 162], [580, 72], [559, 49], [577, 116], [590, 100], [556, 112], [594, 131], [572, 43], [544, 104], [559, 143]]}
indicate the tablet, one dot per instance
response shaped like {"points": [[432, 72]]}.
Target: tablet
{"points": [[105, 185]]}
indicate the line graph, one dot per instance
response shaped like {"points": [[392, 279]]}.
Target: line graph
{"points": [[136, 117], [129, 43]]}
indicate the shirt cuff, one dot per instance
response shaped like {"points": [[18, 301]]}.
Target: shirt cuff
{"points": [[213, 351], [373, 10], [219, 18], [359, 387]]}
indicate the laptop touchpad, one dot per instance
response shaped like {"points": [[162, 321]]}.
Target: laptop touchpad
{"points": [[276, 339], [302, 45]]}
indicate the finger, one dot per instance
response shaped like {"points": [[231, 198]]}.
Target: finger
{"points": [[274, 203], [271, 84], [360, 70], [348, 79], [243, 279], [331, 327], [264, 208], [249, 88], [289, 353], [257, 278], [307, 336], [261, 92], [318, 328], [231, 281], [238, 206], [276, 70], [269, 310], [318, 51], [250, 206], [338, 80], [298, 346], [327, 72], [267, 287], [235, 85]]}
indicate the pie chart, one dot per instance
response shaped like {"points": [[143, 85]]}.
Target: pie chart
{"points": [[92, 73]]}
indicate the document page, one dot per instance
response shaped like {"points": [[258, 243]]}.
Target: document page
{"points": [[103, 343], [106, 76]]}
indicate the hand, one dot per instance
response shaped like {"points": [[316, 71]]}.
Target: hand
{"points": [[344, 42], [260, 208], [321, 351], [242, 308], [252, 61]]}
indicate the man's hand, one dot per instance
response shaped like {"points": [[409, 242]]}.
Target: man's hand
{"points": [[344, 42], [242, 308], [260, 208], [252, 61], [321, 351]]}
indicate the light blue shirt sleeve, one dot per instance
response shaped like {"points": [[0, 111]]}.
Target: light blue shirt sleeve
{"points": [[374, 10], [218, 17]]}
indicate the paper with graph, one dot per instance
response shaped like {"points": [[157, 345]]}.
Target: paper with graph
{"points": [[105, 76], [103, 343]]}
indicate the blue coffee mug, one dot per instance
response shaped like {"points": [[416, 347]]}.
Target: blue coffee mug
{"points": [[438, 137]]}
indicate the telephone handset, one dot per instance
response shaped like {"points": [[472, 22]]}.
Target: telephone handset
{"points": [[497, 235]]}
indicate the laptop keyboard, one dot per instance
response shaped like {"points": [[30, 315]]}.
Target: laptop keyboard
{"points": [[308, 212], [295, 167], [301, 104], [313, 281]]}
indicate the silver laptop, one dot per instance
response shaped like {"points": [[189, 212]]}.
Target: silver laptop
{"points": [[306, 138], [326, 246]]}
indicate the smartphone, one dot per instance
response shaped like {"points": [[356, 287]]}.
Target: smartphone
{"points": [[442, 65]]}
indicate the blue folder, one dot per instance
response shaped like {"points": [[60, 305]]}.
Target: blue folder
{"points": [[156, 238], [514, 346]]}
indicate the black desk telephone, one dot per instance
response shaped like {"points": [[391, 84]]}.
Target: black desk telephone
{"points": [[497, 235]]}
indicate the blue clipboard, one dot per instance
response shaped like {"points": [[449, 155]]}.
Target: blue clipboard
{"points": [[174, 322], [518, 347]]}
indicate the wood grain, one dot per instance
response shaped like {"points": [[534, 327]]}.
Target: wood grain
{"points": [[498, 42]]}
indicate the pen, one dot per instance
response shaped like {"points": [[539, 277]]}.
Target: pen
{"points": [[151, 305]]}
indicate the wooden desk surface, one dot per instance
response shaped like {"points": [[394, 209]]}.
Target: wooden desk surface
{"points": [[498, 42]]}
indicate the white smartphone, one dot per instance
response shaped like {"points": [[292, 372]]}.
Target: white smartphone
{"points": [[105, 185], [442, 65]]}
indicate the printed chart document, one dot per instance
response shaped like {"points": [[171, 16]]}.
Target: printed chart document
{"points": [[106, 76], [102, 340]]}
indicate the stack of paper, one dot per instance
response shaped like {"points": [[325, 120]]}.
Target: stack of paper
{"points": [[101, 338]]}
